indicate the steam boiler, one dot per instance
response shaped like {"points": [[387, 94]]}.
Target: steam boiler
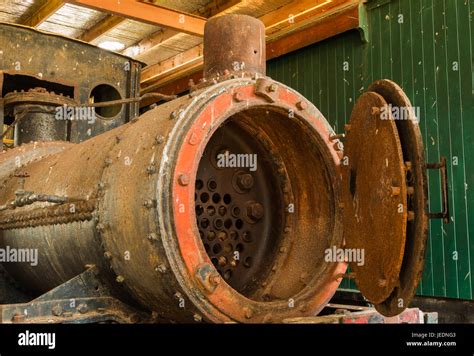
{"points": [[218, 206]]}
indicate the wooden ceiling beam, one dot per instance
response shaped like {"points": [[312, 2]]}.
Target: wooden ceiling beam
{"points": [[214, 8], [101, 27], [334, 22], [147, 13], [43, 13]]}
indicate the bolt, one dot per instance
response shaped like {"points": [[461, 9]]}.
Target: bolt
{"points": [[302, 105], [336, 137], [245, 181], [120, 279], [272, 88], [338, 146], [183, 179], [255, 211], [215, 279], [82, 308], [57, 310]]}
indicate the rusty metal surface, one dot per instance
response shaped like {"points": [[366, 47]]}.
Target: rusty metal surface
{"points": [[375, 197], [234, 44], [33, 58], [35, 115], [417, 229]]}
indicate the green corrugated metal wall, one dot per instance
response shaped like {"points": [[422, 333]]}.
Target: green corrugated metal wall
{"points": [[425, 46]]}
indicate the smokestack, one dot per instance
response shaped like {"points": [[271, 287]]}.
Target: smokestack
{"points": [[234, 44]]}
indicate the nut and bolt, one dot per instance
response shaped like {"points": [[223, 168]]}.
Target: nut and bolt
{"points": [[272, 88], [255, 211], [245, 181]]}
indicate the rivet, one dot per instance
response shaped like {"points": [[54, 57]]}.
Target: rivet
{"points": [[238, 96], [173, 115], [149, 203], [193, 139], [108, 255], [57, 310], [282, 249], [152, 236], [197, 318], [151, 169], [248, 312], [302, 105], [159, 139], [336, 137], [338, 146], [395, 191], [183, 179], [161, 268], [120, 279]]}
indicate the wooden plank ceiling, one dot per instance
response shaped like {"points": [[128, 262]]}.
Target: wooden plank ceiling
{"points": [[167, 34]]}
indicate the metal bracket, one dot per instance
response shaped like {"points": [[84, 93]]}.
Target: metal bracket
{"points": [[82, 299], [444, 214]]}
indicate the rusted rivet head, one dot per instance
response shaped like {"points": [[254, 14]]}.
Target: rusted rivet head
{"points": [[245, 181], [197, 318], [57, 310], [193, 139], [183, 179], [159, 139], [395, 191], [302, 105], [248, 312], [375, 110], [152, 236], [272, 88], [173, 115], [151, 169], [120, 279], [149, 203], [207, 277], [82, 308], [238, 96], [282, 249], [161, 268]]}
